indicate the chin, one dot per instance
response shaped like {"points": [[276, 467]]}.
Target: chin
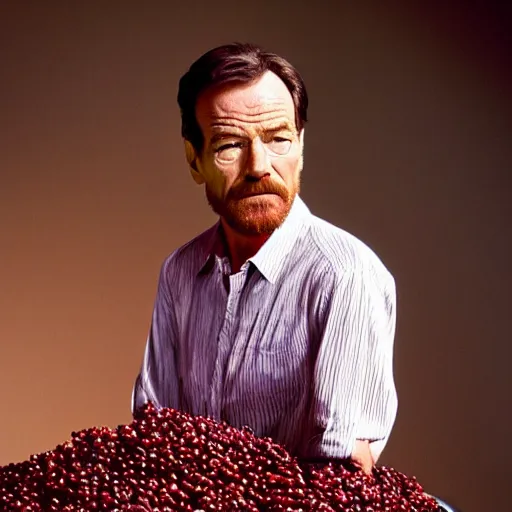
{"points": [[257, 222], [261, 200], [255, 215]]}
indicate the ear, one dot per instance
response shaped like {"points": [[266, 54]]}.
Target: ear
{"points": [[192, 160], [301, 139]]}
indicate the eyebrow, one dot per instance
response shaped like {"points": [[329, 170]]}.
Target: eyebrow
{"points": [[280, 127], [224, 135], [231, 131]]}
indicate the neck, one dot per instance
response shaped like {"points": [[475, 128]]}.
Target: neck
{"points": [[241, 247]]}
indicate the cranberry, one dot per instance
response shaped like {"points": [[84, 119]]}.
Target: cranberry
{"points": [[170, 461]]}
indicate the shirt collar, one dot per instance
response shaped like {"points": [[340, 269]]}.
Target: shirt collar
{"points": [[269, 260]]}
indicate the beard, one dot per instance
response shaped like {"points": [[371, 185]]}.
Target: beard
{"points": [[247, 211]]}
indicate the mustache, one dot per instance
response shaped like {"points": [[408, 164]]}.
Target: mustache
{"points": [[250, 188]]}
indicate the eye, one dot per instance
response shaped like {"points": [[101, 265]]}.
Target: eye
{"points": [[230, 145], [280, 145], [229, 152]]}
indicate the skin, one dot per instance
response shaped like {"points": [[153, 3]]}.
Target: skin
{"points": [[362, 456], [250, 165], [251, 160]]}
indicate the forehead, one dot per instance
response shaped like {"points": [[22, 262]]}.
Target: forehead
{"points": [[266, 100]]}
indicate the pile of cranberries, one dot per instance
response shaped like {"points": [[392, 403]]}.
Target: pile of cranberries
{"points": [[170, 461]]}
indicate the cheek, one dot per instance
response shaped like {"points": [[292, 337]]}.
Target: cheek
{"points": [[221, 178], [288, 167]]}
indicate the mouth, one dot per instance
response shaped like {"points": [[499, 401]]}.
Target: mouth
{"points": [[258, 194]]}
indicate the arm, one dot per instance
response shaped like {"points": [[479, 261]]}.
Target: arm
{"points": [[157, 380], [354, 398]]}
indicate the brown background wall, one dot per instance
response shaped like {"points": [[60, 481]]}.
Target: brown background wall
{"points": [[408, 147]]}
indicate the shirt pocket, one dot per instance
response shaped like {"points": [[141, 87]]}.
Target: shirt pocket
{"points": [[283, 333], [281, 364], [273, 363], [275, 350]]}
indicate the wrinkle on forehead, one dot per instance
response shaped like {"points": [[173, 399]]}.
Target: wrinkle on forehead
{"points": [[267, 117], [265, 100], [249, 102]]}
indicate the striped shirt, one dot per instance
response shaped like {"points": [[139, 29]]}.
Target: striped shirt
{"points": [[298, 345]]}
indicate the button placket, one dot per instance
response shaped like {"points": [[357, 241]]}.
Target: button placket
{"points": [[237, 283], [217, 371], [225, 343]]}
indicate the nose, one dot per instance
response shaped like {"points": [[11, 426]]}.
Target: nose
{"points": [[258, 164]]}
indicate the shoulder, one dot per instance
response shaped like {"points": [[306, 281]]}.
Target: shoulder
{"points": [[190, 257], [343, 254]]}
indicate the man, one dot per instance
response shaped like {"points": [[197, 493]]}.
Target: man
{"points": [[272, 318]]}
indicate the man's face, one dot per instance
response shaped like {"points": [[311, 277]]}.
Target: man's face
{"points": [[252, 154]]}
